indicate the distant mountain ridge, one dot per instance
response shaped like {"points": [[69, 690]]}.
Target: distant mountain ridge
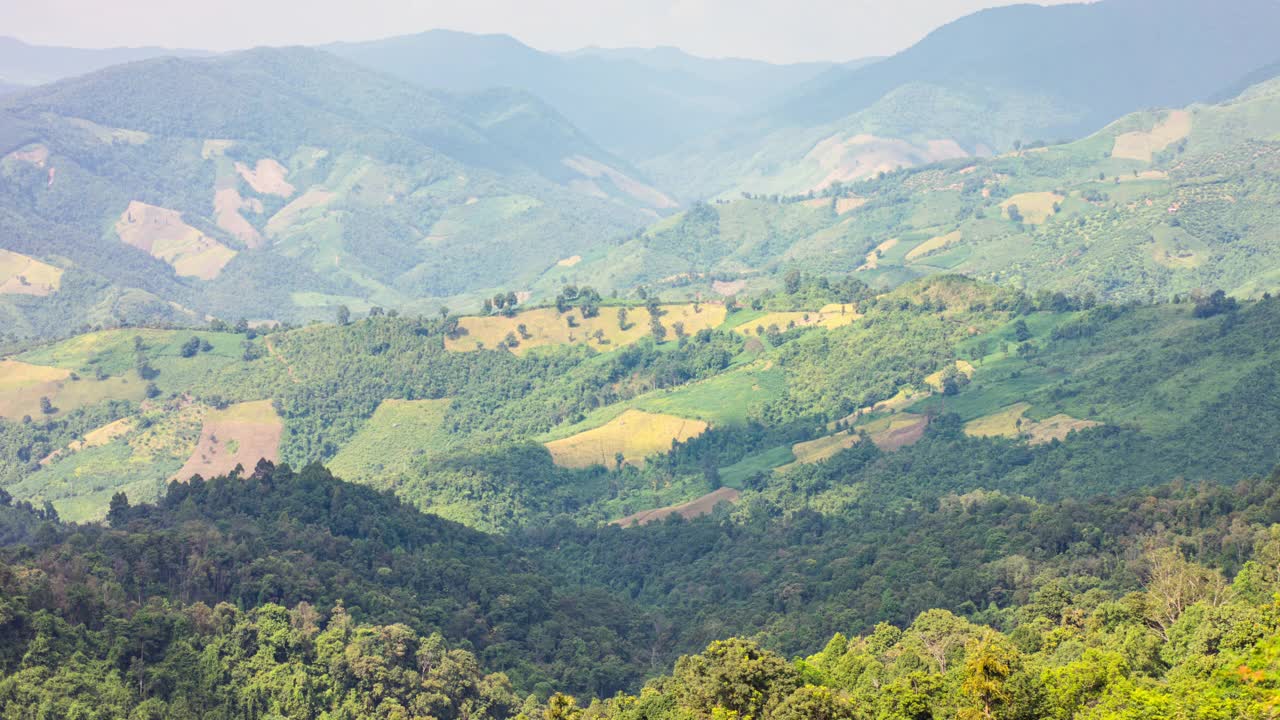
{"points": [[986, 81], [634, 102], [27, 64]]}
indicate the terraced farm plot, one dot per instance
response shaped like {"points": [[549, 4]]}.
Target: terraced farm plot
{"points": [[933, 245], [1035, 207], [241, 435], [398, 433], [1144, 145], [162, 234], [546, 326], [635, 434], [23, 275], [692, 509]]}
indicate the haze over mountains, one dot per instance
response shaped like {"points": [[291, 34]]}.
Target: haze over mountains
{"points": [[441, 377]]}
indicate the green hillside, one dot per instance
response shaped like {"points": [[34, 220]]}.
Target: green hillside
{"points": [[279, 184], [1157, 203]]}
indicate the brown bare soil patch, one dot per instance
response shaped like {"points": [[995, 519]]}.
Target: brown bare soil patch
{"points": [[267, 178], [241, 435], [728, 289], [36, 155], [161, 233], [1143, 145], [695, 508], [901, 431], [861, 156], [227, 205]]}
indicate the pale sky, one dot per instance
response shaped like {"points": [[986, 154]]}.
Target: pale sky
{"points": [[778, 30]]}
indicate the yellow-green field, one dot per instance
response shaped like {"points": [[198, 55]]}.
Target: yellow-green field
{"points": [[545, 326], [399, 432], [23, 275], [896, 431], [161, 233], [1035, 207], [635, 434], [1011, 422], [831, 316], [823, 448], [933, 245], [23, 384]]}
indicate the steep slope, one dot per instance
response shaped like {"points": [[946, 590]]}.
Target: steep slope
{"points": [[1018, 73], [277, 183], [28, 64], [636, 103]]}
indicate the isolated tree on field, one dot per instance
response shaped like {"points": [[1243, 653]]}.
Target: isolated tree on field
{"points": [[1015, 214], [655, 327], [444, 312], [46, 406], [190, 347], [1021, 333], [622, 319], [791, 282], [344, 315]]}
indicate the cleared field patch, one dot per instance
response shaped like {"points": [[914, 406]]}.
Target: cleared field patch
{"points": [[634, 434], [873, 257], [829, 317], [844, 159], [638, 191], [288, 215], [1057, 427], [96, 438], [897, 431], [1175, 249], [266, 178], [933, 245], [398, 433], [1005, 423], [692, 509], [546, 326], [241, 435], [849, 204], [36, 155], [1144, 145], [823, 448], [1035, 207], [22, 385], [161, 233], [1011, 422], [23, 275], [569, 261], [227, 207]]}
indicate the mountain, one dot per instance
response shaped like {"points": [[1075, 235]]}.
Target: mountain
{"points": [[38, 64], [634, 102], [1019, 73], [1156, 203], [176, 187]]}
